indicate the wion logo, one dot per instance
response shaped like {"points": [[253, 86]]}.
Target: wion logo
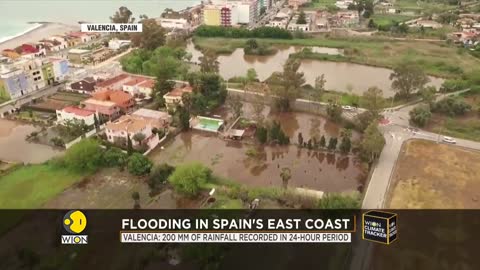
{"points": [[380, 227], [74, 223]]}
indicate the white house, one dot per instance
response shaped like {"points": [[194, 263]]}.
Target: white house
{"points": [[116, 44], [180, 23], [174, 97], [75, 113], [139, 86]]}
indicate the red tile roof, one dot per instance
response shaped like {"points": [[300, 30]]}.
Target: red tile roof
{"points": [[77, 111], [148, 83], [135, 81], [178, 92], [113, 80], [118, 97]]}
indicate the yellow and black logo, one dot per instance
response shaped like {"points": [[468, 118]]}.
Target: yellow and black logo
{"points": [[74, 222], [379, 226]]}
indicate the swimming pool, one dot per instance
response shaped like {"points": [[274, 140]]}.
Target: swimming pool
{"points": [[208, 124]]}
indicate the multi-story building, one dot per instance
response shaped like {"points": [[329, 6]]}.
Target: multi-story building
{"points": [[106, 109], [169, 23], [212, 15], [33, 71], [60, 68], [47, 72], [13, 83], [139, 86]]}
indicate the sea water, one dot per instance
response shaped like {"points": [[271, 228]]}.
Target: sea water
{"points": [[16, 14]]}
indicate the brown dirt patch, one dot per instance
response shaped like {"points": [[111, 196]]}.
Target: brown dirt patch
{"points": [[431, 175]]}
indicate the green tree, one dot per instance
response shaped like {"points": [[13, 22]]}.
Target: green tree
{"points": [[285, 175], [345, 145], [319, 88], [323, 142], [372, 144], [139, 165], [262, 134], [373, 100], [122, 15], [84, 156], [332, 143], [420, 115], [190, 178], [129, 145], [302, 18], [251, 75], [428, 94], [114, 156], [209, 62], [159, 176], [151, 37], [408, 78], [334, 111], [139, 137], [291, 81], [183, 118]]}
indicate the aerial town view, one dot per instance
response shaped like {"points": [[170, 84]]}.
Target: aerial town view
{"points": [[237, 104]]}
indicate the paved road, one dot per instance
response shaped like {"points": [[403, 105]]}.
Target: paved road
{"points": [[395, 135]]}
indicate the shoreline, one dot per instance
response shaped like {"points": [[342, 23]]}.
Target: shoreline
{"points": [[38, 31]]}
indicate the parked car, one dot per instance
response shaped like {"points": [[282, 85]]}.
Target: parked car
{"points": [[449, 140], [348, 108]]}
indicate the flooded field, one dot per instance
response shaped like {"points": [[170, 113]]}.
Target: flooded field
{"points": [[13, 146], [339, 76], [112, 189], [310, 169]]}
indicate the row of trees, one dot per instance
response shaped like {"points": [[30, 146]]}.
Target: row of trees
{"points": [[232, 32], [313, 143], [450, 106]]}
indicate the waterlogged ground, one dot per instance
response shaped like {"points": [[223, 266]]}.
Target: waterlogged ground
{"points": [[13, 146], [318, 170], [112, 189]]}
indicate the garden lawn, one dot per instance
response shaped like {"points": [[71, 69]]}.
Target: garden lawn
{"points": [[31, 186], [387, 19]]}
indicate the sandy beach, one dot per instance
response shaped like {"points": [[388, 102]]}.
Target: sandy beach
{"points": [[44, 31]]}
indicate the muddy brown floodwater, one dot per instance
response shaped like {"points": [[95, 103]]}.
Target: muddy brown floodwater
{"points": [[310, 169], [13, 146], [340, 76]]}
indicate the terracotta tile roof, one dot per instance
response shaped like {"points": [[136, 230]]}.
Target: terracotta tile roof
{"points": [[99, 102], [130, 124], [135, 81], [178, 92], [149, 83], [77, 111], [116, 96], [113, 80]]}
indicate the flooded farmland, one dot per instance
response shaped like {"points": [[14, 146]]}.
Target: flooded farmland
{"points": [[318, 170], [340, 76], [13, 146]]}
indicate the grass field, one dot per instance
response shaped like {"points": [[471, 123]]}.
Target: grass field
{"points": [[386, 19], [431, 175], [418, 6], [437, 59], [31, 186]]}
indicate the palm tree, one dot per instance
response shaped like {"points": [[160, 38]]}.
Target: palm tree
{"points": [[285, 174]]}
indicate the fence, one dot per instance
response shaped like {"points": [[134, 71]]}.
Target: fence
{"points": [[86, 135]]}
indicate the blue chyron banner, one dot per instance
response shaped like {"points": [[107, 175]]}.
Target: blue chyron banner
{"points": [[91, 239]]}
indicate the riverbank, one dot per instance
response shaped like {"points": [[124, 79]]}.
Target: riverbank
{"points": [[440, 60], [44, 30]]}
